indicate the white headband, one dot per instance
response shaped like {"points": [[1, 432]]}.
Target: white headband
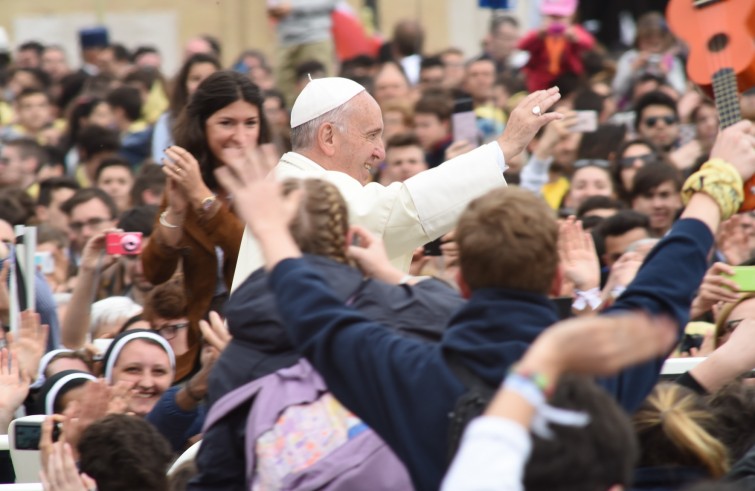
{"points": [[43, 366], [50, 397], [117, 346]]}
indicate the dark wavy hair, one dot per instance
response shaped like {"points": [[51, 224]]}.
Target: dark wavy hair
{"points": [[217, 91], [179, 96]]}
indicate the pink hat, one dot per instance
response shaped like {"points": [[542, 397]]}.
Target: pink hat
{"points": [[562, 8]]}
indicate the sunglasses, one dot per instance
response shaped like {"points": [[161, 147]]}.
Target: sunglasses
{"points": [[651, 121], [168, 331], [582, 163], [627, 162]]}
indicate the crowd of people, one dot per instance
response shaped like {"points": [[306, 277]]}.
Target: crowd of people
{"points": [[401, 271]]}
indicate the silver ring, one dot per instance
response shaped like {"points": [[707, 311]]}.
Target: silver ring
{"points": [[536, 111]]}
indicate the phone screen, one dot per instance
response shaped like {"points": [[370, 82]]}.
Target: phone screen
{"points": [[27, 435], [464, 122], [587, 122]]}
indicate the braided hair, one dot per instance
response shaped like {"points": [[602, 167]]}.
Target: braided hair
{"points": [[322, 221]]}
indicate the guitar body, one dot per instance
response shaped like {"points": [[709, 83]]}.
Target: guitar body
{"points": [[699, 22], [720, 35]]}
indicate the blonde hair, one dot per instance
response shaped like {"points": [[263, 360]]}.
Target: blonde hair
{"points": [[673, 426], [723, 317], [322, 221]]}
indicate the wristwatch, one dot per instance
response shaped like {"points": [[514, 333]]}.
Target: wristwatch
{"points": [[207, 203]]}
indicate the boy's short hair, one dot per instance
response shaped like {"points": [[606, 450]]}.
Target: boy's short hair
{"points": [[128, 99], [49, 186], [112, 162], [436, 102], [150, 178], [88, 194], [30, 148], [31, 91], [650, 177], [401, 140], [124, 452], [655, 98], [94, 139], [508, 239], [623, 222], [594, 457]]}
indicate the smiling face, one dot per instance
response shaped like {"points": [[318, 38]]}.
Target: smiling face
{"points": [[116, 181], [589, 181], [660, 205], [145, 366], [233, 129], [359, 143]]}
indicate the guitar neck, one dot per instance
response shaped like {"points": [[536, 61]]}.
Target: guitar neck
{"points": [[725, 92]]}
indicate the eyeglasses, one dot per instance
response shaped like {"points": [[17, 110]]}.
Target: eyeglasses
{"points": [[627, 162], [169, 331], [93, 223], [603, 164], [651, 121]]}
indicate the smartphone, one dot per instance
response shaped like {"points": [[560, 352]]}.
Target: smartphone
{"points": [[744, 276], [124, 243], [464, 122], [587, 122], [433, 248], [44, 262], [27, 434]]}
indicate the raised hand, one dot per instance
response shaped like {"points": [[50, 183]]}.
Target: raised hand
{"points": [[371, 257], [30, 342], [14, 387], [578, 256], [94, 255], [215, 332], [736, 145], [60, 472], [524, 123], [257, 200]]}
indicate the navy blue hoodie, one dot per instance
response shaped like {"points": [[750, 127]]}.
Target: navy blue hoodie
{"points": [[403, 388]]}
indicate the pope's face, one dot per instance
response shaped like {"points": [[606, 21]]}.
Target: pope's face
{"points": [[360, 144]]}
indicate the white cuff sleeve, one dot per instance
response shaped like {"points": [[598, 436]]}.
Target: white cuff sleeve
{"points": [[492, 457], [500, 158]]}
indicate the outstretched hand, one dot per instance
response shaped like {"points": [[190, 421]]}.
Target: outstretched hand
{"points": [[601, 345], [523, 123], [371, 257], [215, 332], [579, 259]]}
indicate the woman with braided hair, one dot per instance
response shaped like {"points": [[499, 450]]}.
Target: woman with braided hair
{"points": [[259, 344]]}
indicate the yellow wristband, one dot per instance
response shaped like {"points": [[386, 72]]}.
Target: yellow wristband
{"points": [[719, 180]]}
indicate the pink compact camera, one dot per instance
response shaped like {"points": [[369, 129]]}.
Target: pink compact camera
{"points": [[123, 243]]}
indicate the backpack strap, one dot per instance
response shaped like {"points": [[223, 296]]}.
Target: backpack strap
{"points": [[469, 405], [232, 400]]}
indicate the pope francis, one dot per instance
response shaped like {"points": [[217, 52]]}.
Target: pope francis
{"points": [[336, 130]]}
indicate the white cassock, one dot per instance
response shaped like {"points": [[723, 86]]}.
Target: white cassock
{"points": [[406, 215]]}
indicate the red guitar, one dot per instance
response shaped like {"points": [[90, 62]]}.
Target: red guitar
{"points": [[720, 36]]}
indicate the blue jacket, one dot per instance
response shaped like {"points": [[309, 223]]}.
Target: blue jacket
{"points": [[403, 388], [260, 346]]}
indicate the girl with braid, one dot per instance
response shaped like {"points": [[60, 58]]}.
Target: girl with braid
{"points": [[259, 344]]}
